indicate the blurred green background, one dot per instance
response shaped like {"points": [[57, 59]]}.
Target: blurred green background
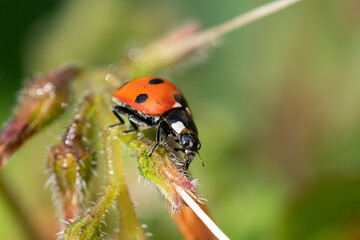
{"points": [[277, 105]]}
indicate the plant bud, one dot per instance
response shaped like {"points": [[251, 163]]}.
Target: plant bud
{"points": [[40, 102]]}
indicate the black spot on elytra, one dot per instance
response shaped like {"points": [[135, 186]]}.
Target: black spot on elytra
{"points": [[156, 81], [141, 98], [180, 99]]}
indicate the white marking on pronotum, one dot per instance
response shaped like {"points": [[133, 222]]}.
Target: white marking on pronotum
{"points": [[176, 105], [188, 110], [178, 126], [202, 215]]}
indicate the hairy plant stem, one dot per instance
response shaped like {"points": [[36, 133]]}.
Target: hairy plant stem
{"points": [[130, 227], [170, 50], [89, 226]]}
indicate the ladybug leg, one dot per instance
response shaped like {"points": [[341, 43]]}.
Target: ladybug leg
{"points": [[135, 128], [158, 136], [146, 123], [135, 119], [121, 110], [118, 117]]}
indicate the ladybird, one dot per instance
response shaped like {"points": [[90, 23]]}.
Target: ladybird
{"points": [[152, 102]]}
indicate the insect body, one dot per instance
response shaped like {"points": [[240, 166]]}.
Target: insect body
{"points": [[155, 102]]}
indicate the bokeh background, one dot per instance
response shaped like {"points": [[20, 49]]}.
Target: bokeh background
{"points": [[277, 104]]}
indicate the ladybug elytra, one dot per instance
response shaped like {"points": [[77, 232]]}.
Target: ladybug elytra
{"points": [[157, 103]]}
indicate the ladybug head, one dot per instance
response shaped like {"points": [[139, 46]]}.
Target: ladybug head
{"points": [[190, 146]]}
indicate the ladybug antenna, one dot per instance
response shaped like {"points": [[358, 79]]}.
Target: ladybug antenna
{"points": [[202, 161]]}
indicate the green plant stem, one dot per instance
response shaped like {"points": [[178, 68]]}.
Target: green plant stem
{"points": [[130, 227], [89, 226], [167, 52]]}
